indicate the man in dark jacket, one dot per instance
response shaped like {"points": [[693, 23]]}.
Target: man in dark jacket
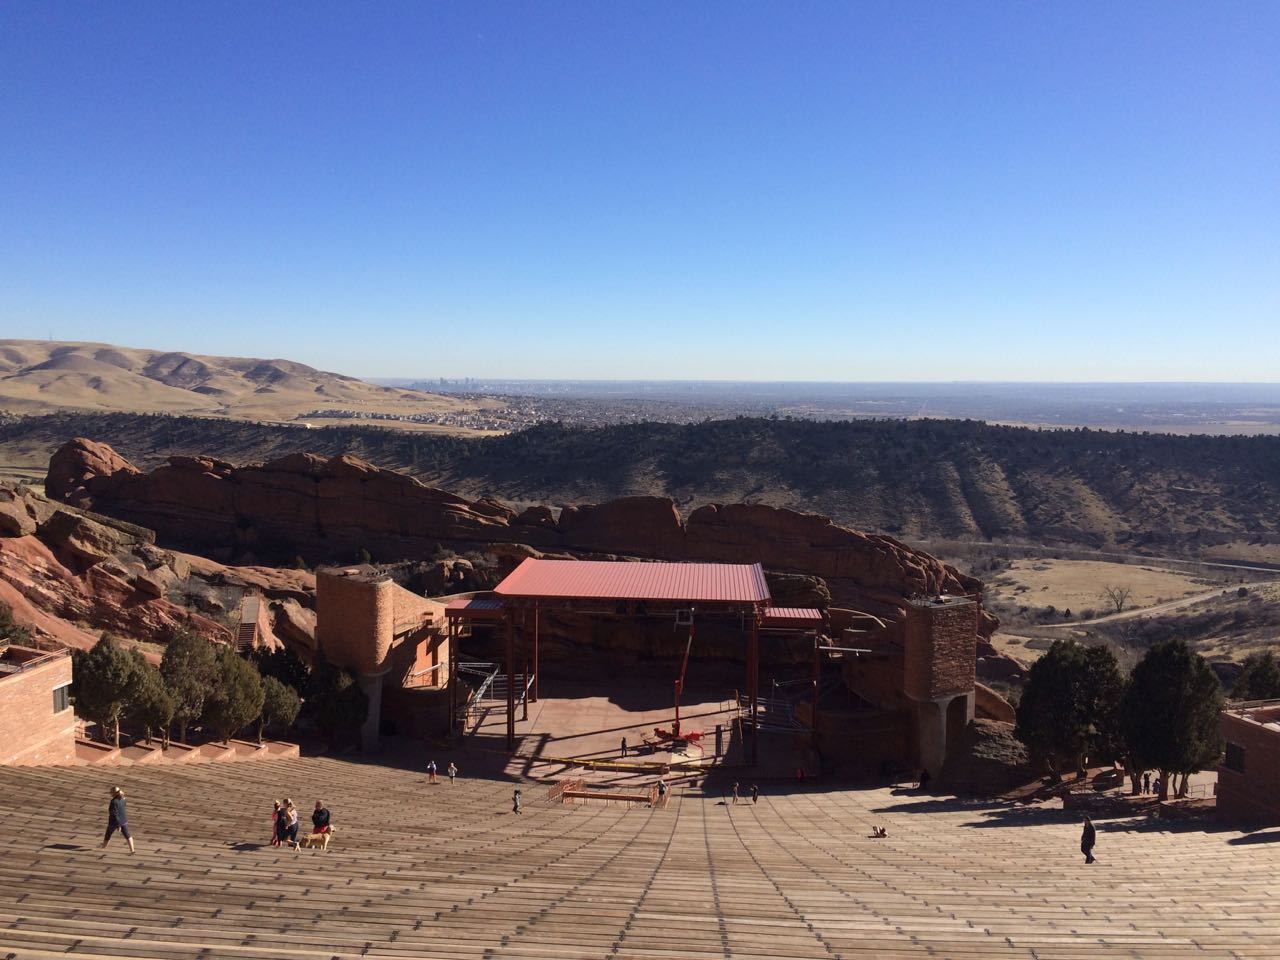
{"points": [[320, 818], [1087, 839], [118, 819]]}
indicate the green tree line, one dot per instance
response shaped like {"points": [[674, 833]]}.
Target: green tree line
{"points": [[1163, 716], [200, 682]]}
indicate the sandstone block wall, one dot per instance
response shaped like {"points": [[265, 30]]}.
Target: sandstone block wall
{"points": [[941, 648], [30, 732], [355, 620], [1251, 796]]}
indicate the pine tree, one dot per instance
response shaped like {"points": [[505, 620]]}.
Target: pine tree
{"points": [[1170, 713], [1070, 704], [1259, 680], [102, 679], [280, 705], [334, 701], [189, 668], [149, 701], [237, 695]]}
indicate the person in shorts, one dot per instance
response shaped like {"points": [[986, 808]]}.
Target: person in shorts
{"points": [[118, 819]]}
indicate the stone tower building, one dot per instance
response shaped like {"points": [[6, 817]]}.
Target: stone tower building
{"points": [[939, 668]]}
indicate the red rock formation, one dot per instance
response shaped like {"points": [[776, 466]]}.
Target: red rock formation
{"points": [[75, 607], [76, 467], [329, 510]]}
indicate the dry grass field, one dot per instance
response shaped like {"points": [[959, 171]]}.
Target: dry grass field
{"points": [[39, 376], [1079, 585]]}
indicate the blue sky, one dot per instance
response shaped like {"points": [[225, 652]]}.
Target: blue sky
{"points": [[825, 191]]}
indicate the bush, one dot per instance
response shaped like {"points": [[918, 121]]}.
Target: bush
{"points": [[9, 629]]}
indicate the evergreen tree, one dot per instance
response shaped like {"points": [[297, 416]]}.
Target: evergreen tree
{"points": [[1259, 680], [237, 695], [9, 628], [284, 665], [1170, 713], [189, 669], [149, 701], [102, 679], [334, 701], [280, 705], [1070, 704]]}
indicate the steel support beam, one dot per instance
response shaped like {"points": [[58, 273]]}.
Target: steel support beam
{"points": [[511, 686]]}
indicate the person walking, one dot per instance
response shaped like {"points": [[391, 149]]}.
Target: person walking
{"points": [[1146, 782], [1088, 837], [735, 793], [662, 790], [275, 823], [624, 747], [755, 793], [320, 818], [515, 802], [118, 819], [452, 771], [431, 771]]}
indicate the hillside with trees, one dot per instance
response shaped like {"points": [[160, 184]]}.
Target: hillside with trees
{"points": [[913, 479]]}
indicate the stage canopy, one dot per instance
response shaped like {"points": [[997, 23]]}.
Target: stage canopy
{"points": [[636, 580]]}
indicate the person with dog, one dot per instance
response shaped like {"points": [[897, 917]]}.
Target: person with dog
{"points": [[118, 819], [320, 818]]}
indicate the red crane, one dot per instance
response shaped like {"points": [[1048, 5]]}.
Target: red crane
{"points": [[684, 665]]}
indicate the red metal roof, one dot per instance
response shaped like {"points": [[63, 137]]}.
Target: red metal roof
{"points": [[803, 617], [637, 580], [793, 613]]}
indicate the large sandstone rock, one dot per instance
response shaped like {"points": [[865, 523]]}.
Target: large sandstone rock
{"points": [[332, 509], [80, 468], [86, 540], [15, 521], [74, 607]]}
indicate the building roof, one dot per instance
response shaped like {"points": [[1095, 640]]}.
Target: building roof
{"points": [[474, 608], [802, 617], [637, 580]]}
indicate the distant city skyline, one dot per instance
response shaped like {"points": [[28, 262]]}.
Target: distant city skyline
{"points": [[762, 192]]}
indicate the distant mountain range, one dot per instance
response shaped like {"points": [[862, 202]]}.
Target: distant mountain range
{"points": [[37, 376]]}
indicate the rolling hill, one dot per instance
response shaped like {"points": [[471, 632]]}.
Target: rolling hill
{"points": [[1211, 497], [38, 376]]}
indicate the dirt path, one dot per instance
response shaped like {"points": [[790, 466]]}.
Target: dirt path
{"points": [[1155, 608]]}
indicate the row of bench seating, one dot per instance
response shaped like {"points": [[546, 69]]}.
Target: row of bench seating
{"points": [[448, 871]]}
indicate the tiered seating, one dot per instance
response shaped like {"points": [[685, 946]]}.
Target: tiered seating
{"points": [[448, 871]]}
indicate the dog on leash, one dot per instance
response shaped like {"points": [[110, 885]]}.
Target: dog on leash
{"points": [[320, 840]]}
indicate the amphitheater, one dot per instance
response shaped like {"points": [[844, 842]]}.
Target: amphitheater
{"points": [[421, 870]]}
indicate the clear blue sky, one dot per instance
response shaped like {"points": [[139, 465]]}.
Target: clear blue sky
{"points": [[827, 191]]}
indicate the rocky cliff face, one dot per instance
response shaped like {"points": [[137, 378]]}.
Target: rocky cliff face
{"points": [[330, 509], [69, 576]]}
